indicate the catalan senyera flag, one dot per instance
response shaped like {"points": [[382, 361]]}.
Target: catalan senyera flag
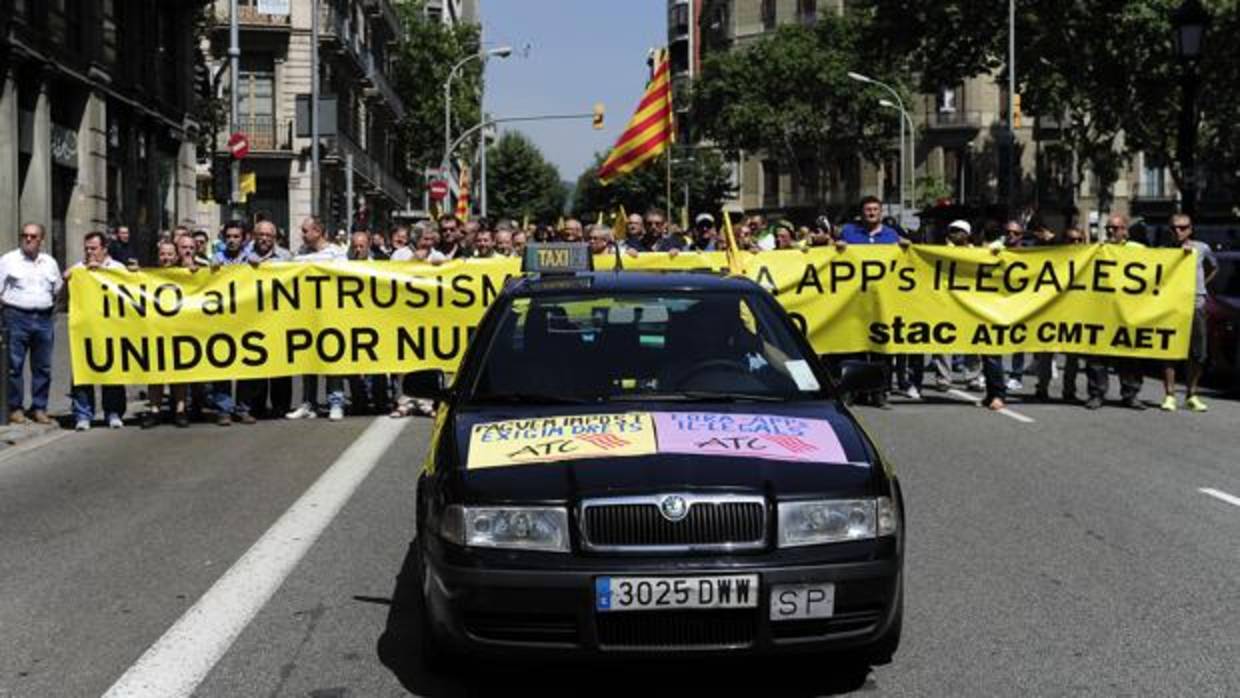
{"points": [[462, 199], [650, 130]]}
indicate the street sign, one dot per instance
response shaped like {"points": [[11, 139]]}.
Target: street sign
{"points": [[439, 190], [238, 145]]}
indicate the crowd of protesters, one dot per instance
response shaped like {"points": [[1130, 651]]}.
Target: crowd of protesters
{"points": [[30, 282]]}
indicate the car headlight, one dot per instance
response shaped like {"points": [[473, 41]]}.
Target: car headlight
{"points": [[522, 528], [835, 520]]}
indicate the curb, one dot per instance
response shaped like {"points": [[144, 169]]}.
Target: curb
{"points": [[15, 434]]}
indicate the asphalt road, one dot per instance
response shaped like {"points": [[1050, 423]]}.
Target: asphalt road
{"points": [[1051, 551]]}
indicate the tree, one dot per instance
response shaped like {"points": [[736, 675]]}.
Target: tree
{"points": [[1105, 69], [521, 181], [422, 63], [710, 183], [789, 96]]}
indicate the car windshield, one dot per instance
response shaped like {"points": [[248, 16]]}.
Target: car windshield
{"points": [[668, 346]]}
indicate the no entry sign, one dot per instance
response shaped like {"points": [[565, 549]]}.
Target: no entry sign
{"points": [[439, 189], [238, 145]]}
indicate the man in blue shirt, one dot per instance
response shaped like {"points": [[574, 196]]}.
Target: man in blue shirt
{"points": [[909, 370], [870, 231]]}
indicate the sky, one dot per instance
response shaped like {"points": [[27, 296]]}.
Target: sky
{"points": [[581, 52]]}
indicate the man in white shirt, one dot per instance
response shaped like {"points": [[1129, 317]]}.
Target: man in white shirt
{"points": [[95, 256], [29, 282], [317, 248]]}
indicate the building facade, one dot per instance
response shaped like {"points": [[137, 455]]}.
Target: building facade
{"points": [[360, 113], [959, 132], [97, 124]]}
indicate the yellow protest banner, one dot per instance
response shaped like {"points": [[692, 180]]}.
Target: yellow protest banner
{"points": [[544, 439], [1097, 299], [171, 325]]}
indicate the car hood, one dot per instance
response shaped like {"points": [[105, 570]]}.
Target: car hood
{"points": [[849, 470]]}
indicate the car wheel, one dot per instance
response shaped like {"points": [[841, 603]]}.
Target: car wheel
{"points": [[882, 650], [432, 651]]}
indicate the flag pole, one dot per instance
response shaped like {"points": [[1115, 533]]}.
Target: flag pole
{"points": [[669, 180]]}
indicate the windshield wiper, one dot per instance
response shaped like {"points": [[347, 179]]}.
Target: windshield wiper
{"points": [[532, 398], [701, 396]]}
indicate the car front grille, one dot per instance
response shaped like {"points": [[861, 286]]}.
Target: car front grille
{"points": [[523, 628], [684, 630], [637, 524]]}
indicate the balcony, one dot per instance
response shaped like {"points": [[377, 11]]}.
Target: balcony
{"points": [[371, 170], [384, 9], [378, 85], [250, 18], [959, 120], [338, 29], [267, 134]]}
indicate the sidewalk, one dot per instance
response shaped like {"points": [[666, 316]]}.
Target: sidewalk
{"points": [[58, 398]]}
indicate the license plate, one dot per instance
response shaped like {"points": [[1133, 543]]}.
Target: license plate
{"points": [[799, 601], [655, 593]]}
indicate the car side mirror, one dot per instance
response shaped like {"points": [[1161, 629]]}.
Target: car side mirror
{"points": [[862, 377], [430, 384]]}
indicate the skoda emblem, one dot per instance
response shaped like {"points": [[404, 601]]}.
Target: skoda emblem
{"points": [[674, 507]]}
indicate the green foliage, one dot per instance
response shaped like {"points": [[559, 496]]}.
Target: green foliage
{"points": [[521, 181], [423, 61], [930, 190], [1106, 69], [788, 95], [706, 172]]}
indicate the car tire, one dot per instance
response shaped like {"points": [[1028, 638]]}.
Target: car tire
{"points": [[432, 651], [882, 650]]}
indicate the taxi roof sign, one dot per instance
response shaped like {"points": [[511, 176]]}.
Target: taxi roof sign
{"points": [[557, 258]]}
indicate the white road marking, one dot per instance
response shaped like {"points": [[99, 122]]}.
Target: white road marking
{"points": [[977, 399], [181, 659], [1218, 494]]}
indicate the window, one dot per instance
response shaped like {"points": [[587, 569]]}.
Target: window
{"points": [[1153, 182], [770, 183], [769, 17], [946, 100], [891, 177], [807, 11], [257, 100], [678, 19], [807, 180]]}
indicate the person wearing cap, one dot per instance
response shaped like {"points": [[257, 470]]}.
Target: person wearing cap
{"points": [[958, 235], [705, 237]]}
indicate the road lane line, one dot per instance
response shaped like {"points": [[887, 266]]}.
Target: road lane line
{"points": [[977, 399], [1219, 494], [181, 659]]}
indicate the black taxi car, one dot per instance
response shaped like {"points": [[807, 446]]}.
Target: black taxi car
{"points": [[652, 462]]}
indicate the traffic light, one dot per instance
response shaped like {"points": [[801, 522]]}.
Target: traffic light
{"points": [[1015, 111], [598, 117], [221, 179]]}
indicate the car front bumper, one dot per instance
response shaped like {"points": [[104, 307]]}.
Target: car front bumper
{"points": [[499, 611]]}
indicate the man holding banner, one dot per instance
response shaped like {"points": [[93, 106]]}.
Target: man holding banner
{"points": [[319, 249], [1182, 226], [95, 256]]}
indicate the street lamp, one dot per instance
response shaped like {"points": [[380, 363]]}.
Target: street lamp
{"points": [[903, 158], [912, 133], [1189, 22], [501, 52]]}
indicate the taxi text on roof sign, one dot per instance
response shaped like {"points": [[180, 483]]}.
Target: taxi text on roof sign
{"points": [[557, 258]]}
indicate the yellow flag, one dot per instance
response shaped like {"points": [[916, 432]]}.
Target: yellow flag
{"points": [[734, 258], [622, 224], [248, 185]]}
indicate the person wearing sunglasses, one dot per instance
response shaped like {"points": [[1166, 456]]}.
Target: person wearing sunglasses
{"points": [[1207, 267]]}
